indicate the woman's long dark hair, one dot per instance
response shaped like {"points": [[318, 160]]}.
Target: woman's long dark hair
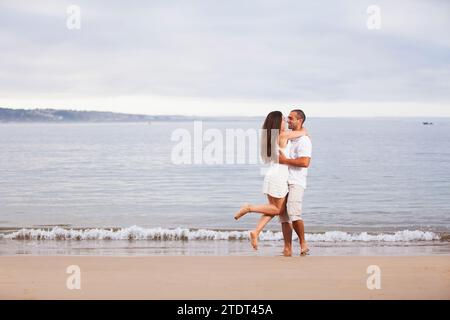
{"points": [[272, 122]]}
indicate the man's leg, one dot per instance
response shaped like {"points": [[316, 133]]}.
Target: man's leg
{"points": [[294, 207], [286, 227], [299, 228]]}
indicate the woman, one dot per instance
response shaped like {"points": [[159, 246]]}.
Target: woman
{"points": [[276, 179]]}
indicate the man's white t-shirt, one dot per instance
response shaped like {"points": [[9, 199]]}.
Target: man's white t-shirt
{"points": [[300, 147]]}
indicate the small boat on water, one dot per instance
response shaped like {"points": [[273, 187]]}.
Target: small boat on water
{"points": [[427, 123]]}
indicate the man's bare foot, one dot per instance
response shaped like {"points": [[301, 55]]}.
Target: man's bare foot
{"points": [[254, 240], [287, 252], [304, 249], [242, 211]]}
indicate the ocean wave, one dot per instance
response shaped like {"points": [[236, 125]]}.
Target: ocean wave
{"points": [[183, 234]]}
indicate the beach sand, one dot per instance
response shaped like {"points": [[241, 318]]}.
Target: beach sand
{"points": [[232, 277]]}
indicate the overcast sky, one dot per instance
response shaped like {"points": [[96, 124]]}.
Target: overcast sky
{"points": [[227, 57]]}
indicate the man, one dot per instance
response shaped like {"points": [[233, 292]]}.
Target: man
{"points": [[300, 157]]}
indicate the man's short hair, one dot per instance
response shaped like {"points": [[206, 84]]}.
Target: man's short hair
{"points": [[300, 114]]}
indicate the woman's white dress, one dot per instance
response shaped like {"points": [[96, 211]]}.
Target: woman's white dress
{"points": [[276, 179]]}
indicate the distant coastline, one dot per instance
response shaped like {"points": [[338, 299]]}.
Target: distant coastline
{"points": [[50, 115], [69, 115]]}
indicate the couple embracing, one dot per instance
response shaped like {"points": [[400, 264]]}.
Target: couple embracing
{"points": [[288, 153]]}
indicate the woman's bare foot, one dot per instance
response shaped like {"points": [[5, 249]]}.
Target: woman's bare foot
{"points": [[254, 240], [242, 212], [287, 252]]}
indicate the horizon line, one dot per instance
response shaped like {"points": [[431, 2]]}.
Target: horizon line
{"points": [[221, 116]]}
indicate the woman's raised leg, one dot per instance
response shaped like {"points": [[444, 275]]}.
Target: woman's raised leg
{"points": [[273, 208]]}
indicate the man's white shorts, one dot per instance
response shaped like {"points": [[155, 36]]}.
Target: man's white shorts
{"points": [[294, 204]]}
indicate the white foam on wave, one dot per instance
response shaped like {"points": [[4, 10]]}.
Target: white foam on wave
{"points": [[399, 236], [183, 234]]}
